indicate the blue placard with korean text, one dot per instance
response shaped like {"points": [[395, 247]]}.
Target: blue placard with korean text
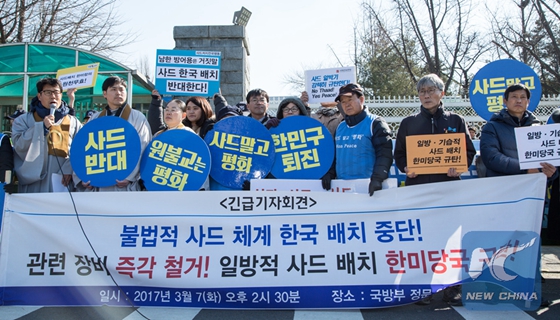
{"points": [[188, 72], [176, 160], [241, 149], [489, 84], [304, 149], [105, 150]]}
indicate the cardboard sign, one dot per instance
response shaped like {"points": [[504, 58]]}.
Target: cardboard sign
{"points": [[436, 153], [538, 144], [322, 85], [78, 77]]}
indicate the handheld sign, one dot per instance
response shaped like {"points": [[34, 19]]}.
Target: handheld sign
{"points": [[241, 149], [436, 153], [105, 150], [322, 85], [78, 77], [489, 84], [538, 144], [176, 160], [188, 72], [304, 149]]}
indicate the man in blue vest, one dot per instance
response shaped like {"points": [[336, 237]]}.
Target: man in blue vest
{"points": [[363, 142]]}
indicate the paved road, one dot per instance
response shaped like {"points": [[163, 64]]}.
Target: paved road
{"points": [[437, 310]]}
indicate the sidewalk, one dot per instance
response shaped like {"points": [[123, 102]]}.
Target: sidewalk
{"points": [[550, 262]]}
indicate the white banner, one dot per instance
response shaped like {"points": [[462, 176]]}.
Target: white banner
{"points": [[241, 249], [345, 186], [538, 144], [323, 85]]}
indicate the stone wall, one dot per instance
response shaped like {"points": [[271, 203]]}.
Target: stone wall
{"points": [[233, 43]]}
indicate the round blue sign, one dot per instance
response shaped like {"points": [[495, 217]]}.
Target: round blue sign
{"points": [[176, 160], [105, 150], [304, 148], [242, 149], [489, 84]]}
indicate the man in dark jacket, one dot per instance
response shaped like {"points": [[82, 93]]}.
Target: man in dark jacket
{"points": [[498, 148], [432, 119], [257, 103], [363, 142]]}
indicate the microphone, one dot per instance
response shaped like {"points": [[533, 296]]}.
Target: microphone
{"points": [[53, 108]]}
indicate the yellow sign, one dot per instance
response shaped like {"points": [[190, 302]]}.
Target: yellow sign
{"points": [[436, 153], [78, 77]]}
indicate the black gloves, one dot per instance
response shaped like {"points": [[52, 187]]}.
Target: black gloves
{"points": [[10, 188], [246, 185], [219, 102], [326, 181], [374, 185], [272, 122], [141, 185]]}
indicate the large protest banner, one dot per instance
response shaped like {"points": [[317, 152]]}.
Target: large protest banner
{"points": [[235, 249]]}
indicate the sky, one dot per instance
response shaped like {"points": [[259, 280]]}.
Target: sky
{"points": [[286, 37]]}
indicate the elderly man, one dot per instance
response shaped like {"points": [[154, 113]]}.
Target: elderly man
{"points": [[432, 119], [363, 142], [42, 139]]}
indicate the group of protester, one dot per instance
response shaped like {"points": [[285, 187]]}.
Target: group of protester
{"points": [[42, 139]]}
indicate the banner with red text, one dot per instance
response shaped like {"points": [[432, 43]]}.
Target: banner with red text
{"points": [[260, 250]]}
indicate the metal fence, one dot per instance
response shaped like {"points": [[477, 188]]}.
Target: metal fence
{"points": [[394, 109]]}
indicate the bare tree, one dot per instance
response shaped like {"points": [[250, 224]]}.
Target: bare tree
{"points": [[532, 38], [433, 33], [88, 24], [379, 63], [143, 65]]}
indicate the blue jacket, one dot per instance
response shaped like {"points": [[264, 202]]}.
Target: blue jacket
{"points": [[498, 148], [380, 138]]}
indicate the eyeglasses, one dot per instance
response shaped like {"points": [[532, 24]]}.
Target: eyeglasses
{"points": [[290, 110], [50, 92], [429, 91]]}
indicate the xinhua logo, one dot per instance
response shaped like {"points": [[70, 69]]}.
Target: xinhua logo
{"points": [[502, 269]]}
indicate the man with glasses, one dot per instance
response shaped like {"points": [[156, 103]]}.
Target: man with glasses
{"points": [[257, 103], [42, 139], [432, 119]]}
